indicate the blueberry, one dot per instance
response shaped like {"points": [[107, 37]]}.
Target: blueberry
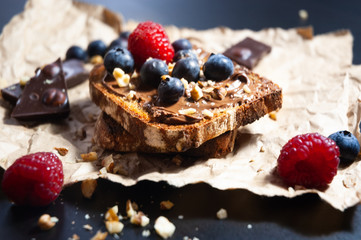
{"points": [[119, 58], [124, 35], [76, 52], [184, 54], [181, 44], [119, 42], [187, 68], [96, 47], [170, 90], [348, 145], [152, 71], [218, 67]]}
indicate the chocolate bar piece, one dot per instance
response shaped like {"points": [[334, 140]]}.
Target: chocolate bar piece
{"points": [[45, 96], [74, 73], [247, 52]]}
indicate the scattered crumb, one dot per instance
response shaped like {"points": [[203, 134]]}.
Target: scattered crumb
{"points": [[146, 233], [74, 237], [273, 116], [303, 14], [87, 216], [262, 149], [88, 187], [47, 222], [72, 222], [249, 226], [222, 213], [89, 157], [139, 219], [112, 214], [305, 32], [100, 236], [163, 227], [166, 205], [114, 226], [62, 151], [180, 217], [87, 227]]}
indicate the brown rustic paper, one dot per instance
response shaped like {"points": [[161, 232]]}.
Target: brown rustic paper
{"points": [[321, 92]]}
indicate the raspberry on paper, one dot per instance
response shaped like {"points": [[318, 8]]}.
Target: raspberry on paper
{"points": [[310, 160], [149, 39], [35, 179]]}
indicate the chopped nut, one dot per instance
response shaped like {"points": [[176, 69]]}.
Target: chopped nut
{"points": [[121, 77], [145, 233], [46, 222], [170, 67], [112, 214], [185, 83], [305, 32], [219, 93], [89, 157], [303, 14], [100, 236], [202, 84], [246, 89], [131, 95], [196, 93], [222, 213], [188, 111], [97, 59], [262, 149], [114, 226], [88, 187], [24, 80], [62, 151], [164, 77], [207, 114], [208, 89], [273, 116], [88, 227], [74, 237], [129, 209], [166, 205], [108, 163], [211, 83], [164, 227], [139, 219]]}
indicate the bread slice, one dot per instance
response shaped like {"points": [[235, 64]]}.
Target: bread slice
{"points": [[110, 135], [248, 98]]}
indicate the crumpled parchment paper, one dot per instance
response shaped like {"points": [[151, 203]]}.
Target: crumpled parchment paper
{"points": [[321, 92]]}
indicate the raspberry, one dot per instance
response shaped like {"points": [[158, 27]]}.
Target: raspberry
{"points": [[149, 39], [310, 160], [35, 179]]}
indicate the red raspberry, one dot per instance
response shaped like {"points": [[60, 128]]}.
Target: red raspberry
{"points": [[35, 179], [149, 39], [310, 160]]}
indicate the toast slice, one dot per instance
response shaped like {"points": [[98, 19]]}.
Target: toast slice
{"points": [[239, 100], [110, 135]]}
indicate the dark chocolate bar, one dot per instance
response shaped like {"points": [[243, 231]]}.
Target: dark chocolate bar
{"points": [[45, 96], [247, 52], [74, 73]]}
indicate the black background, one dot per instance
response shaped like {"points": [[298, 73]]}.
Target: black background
{"points": [[250, 216]]}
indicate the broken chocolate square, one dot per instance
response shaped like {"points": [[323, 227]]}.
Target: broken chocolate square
{"points": [[45, 96], [247, 52], [12, 93]]}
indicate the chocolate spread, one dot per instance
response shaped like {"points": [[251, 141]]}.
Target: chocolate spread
{"points": [[216, 95]]}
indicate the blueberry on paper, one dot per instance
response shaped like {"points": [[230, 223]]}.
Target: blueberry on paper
{"points": [[152, 71], [348, 145], [181, 44], [187, 68], [96, 47], [76, 52], [184, 54], [218, 67], [119, 58], [170, 90]]}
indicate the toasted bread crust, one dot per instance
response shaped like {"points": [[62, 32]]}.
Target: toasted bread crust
{"points": [[110, 135], [179, 138]]}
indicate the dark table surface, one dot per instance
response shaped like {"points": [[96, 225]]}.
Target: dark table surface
{"points": [[194, 215]]}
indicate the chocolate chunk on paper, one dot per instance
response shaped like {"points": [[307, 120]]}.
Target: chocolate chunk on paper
{"points": [[248, 52], [321, 93]]}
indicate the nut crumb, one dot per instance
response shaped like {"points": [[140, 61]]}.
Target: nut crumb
{"points": [[100, 235], [185, 83], [88, 187], [164, 227], [97, 59], [305, 32], [222, 213], [139, 219], [166, 205], [303, 14], [74, 237], [262, 149], [121, 77], [62, 151], [88, 227], [196, 93], [89, 157], [207, 114], [170, 67], [114, 226], [145, 233], [188, 111], [273, 116], [47, 222], [112, 214], [246, 89], [130, 209]]}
